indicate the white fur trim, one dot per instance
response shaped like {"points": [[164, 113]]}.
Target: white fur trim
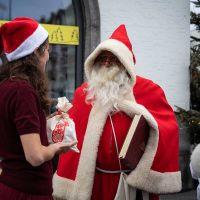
{"points": [[82, 187], [62, 187], [195, 160], [118, 49], [156, 182], [1, 63], [87, 162], [142, 177], [29, 45]]}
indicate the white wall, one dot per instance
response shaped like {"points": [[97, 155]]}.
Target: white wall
{"points": [[159, 32]]}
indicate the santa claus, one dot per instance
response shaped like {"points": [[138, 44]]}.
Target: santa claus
{"points": [[102, 111]]}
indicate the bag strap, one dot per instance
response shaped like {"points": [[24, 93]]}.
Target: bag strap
{"points": [[140, 195], [113, 130]]}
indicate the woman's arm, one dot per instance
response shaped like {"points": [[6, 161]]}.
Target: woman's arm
{"points": [[36, 153]]}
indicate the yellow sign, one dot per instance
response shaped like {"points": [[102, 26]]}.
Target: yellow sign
{"points": [[2, 22], [60, 34]]}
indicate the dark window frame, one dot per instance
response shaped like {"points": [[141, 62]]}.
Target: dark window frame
{"points": [[88, 19], [79, 52]]}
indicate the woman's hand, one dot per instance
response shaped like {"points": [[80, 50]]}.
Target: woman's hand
{"points": [[36, 153], [64, 147]]}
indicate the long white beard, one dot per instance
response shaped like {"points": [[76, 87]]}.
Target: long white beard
{"points": [[108, 84]]}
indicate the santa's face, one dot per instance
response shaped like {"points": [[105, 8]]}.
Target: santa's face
{"points": [[108, 83], [107, 59]]}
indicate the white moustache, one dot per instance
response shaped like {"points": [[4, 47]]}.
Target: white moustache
{"points": [[108, 84]]}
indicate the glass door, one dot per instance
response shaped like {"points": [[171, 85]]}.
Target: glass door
{"points": [[61, 68]]}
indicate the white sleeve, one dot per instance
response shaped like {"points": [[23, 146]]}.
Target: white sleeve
{"points": [[195, 161], [194, 176]]}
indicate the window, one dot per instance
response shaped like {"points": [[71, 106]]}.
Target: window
{"points": [[64, 68]]}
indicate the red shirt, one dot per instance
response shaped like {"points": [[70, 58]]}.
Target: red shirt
{"points": [[21, 113]]}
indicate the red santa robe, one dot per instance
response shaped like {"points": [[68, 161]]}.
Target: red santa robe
{"points": [[157, 171]]}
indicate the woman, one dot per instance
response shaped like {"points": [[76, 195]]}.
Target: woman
{"points": [[26, 154]]}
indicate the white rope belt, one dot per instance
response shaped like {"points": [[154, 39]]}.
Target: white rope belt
{"points": [[112, 171]]}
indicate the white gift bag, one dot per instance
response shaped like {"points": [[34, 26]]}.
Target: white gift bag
{"points": [[61, 128], [124, 191]]}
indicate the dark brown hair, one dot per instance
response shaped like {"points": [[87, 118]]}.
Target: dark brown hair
{"points": [[27, 68]]}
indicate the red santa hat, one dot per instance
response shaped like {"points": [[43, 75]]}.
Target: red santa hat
{"points": [[20, 37], [120, 45]]}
